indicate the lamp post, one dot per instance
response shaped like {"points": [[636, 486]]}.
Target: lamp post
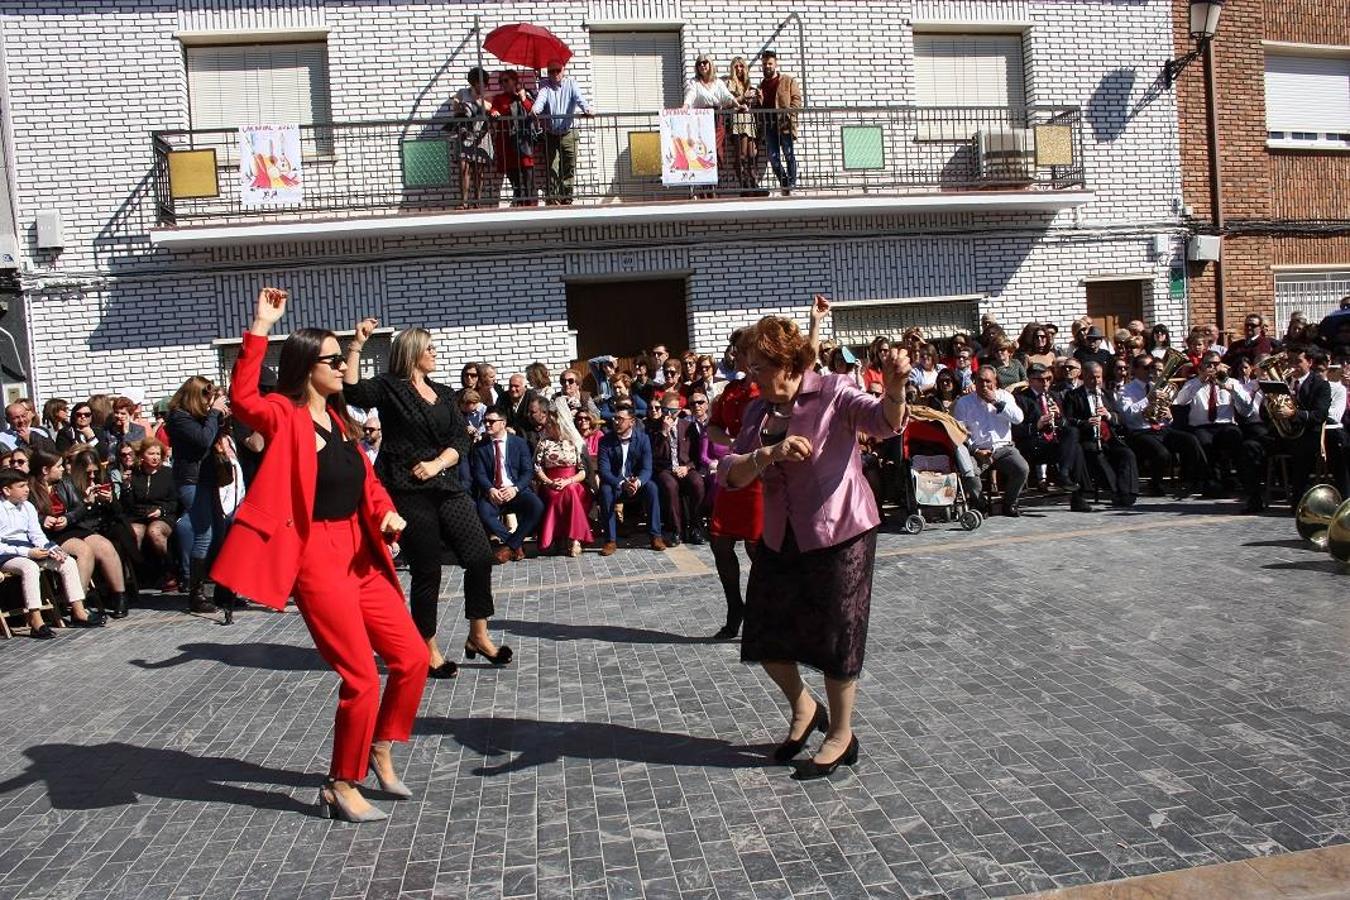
{"points": [[1204, 25]]}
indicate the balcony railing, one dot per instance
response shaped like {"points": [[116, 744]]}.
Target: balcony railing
{"points": [[390, 168]]}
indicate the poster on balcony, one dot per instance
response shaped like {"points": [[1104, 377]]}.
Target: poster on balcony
{"points": [[688, 147], [269, 165]]}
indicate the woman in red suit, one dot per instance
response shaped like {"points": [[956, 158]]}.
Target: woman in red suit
{"points": [[313, 526]]}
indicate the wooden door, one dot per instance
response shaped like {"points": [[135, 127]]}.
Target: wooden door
{"points": [[1112, 304], [624, 318]]}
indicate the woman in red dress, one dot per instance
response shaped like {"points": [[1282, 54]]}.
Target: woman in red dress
{"points": [[314, 526], [514, 137]]}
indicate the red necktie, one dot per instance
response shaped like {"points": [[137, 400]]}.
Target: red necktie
{"points": [[497, 451], [1213, 402]]}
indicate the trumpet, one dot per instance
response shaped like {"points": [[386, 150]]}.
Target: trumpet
{"points": [[1274, 368]]}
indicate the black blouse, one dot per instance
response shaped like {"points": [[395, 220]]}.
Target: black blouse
{"points": [[414, 431], [341, 479]]}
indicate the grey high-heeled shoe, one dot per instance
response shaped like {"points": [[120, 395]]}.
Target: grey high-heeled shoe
{"points": [[393, 786], [335, 809]]}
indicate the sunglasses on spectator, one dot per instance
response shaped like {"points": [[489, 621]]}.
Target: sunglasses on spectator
{"points": [[334, 360], [698, 402], [84, 413], [492, 421], [369, 430], [671, 412], [569, 381]]}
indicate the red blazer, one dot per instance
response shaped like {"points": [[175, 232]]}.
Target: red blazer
{"points": [[263, 549]]}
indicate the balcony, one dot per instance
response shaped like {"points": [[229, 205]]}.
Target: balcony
{"points": [[403, 177]]}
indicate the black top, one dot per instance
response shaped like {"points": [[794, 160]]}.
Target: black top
{"points": [[192, 440], [341, 479], [146, 492], [414, 431]]}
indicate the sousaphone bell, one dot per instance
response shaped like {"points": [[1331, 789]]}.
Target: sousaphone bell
{"points": [[1338, 534], [1315, 513]]}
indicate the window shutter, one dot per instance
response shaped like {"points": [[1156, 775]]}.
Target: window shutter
{"points": [[637, 71], [259, 84], [1308, 94], [969, 70]]}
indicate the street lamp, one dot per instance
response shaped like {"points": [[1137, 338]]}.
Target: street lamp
{"points": [[1204, 25]]}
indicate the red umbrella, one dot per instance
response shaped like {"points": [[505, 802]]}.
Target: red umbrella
{"points": [[526, 45]]}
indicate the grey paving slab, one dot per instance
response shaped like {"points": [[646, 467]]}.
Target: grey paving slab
{"points": [[1046, 702]]}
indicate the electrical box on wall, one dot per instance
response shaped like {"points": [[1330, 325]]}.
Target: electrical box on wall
{"points": [[49, 231], [1161, 244], [9, 253], [1204, 248]]}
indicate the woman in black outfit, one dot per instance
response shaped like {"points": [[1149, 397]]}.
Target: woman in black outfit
{"points": [[151, 501], [425, 438], [195, 413]]}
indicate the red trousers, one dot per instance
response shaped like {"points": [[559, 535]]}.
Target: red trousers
{"points": [[352, 608]]}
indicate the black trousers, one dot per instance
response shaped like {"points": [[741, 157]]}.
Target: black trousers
{"points": [[681, 499], [1065, 454], [1338, 459], [1304, 453], [434, 517], [1154, 449], [1114, 468], [1226, 443]]}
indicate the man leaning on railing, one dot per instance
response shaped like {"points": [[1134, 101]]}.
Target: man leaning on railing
{"points": [[557, 103]]}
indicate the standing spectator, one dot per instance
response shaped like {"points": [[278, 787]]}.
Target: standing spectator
{"points": [[517, 133], [425, 442], [706, 91], [744, 129], [503, 472], [474, 131], [557, 103], [989, 415], [122, 427], [780, 91], [22, 433], [560, 462], [625, 466], [25, 551], [195, 414]]}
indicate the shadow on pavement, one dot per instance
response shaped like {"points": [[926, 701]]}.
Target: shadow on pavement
{"points": [[615, 634], [539, 743], [117, 774], [1329, 566], [279, 657]]}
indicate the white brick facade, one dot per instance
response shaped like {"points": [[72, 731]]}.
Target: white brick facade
{"points": [[109, 311]]}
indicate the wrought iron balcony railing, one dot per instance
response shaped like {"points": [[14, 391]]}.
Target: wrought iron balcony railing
{"points": [[390, 168]]}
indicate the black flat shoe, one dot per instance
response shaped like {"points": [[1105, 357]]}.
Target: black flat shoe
{"points": [[446, 669], [42, 633], [95, 620], [814, 769], [728, 632], [790, 748], [503, 656]]}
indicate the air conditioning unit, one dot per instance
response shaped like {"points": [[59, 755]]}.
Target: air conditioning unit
{"points": [[1006, 154], [1204, 248]]}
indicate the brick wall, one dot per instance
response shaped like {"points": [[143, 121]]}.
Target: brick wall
{"points": [[111, 311], [1259, 183]]}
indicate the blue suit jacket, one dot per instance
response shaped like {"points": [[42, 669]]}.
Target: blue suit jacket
{"points": [[518, 463], [610, 455]]}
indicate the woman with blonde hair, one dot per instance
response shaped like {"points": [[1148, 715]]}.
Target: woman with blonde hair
{"points": [[706, 91], [561, 463], [744, 129], [425, 439]]}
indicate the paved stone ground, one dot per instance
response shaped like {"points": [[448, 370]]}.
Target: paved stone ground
{"points": [[1046, 702]]}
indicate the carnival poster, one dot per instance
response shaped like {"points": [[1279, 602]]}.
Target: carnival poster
{"points": [[269, 165], [688, 147]]}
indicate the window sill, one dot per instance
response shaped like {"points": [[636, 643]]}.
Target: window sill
{"points": [[1333, 146]]}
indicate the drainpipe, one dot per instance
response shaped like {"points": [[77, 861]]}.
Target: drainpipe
{"points": [[1215, 181]]}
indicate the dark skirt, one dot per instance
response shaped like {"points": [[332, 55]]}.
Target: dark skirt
{"points": [[810, 608]]}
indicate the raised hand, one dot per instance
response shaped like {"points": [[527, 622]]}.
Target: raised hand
{"points": [[365, 328], [897, 373], [271, 307], [820, 308]]}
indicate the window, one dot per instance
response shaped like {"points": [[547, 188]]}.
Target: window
{"points": [[260, 84], [857, 323], [637, 71], [969, 70], [1315, 294], [1308, 101]]}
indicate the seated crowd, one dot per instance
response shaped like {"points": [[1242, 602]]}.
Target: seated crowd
{"points": [[108, 499]]}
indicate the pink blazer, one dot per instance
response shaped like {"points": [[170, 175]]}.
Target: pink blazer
{"points": [[825, 499]]}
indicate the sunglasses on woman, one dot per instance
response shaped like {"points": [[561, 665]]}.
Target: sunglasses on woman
{"points": [[334, 361]]}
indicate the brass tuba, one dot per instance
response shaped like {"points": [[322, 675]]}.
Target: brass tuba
{"points": [[1338, 534], [1274, 368], [1315, 513], [1159, 409]]}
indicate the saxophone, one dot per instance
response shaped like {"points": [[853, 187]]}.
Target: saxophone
{"points": [[1274, 368], [1163, 391]]}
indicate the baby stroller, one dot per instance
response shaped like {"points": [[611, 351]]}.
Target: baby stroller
{"points": [[934, 490]]}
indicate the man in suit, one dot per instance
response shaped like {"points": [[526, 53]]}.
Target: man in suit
{"points": [[1101, 432], [514, 403], [625, 464], [780, 90], [1042, 437], [1312, 394], [503, 475]]}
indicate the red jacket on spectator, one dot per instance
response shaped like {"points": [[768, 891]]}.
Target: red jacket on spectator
{"points": [[261, 556]]}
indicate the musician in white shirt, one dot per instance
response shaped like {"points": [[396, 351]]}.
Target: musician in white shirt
{"points": [[1154, 443], [1216, 405], [989, 415]]}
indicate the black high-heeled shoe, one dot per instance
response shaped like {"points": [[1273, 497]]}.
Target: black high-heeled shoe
{"points": [[446, 669], [790, 748], [814, 769], [503, 656]]}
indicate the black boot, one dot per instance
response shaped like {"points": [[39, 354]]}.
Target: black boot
{"points": [[198, 602], [224, 600], [119, 605]]}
